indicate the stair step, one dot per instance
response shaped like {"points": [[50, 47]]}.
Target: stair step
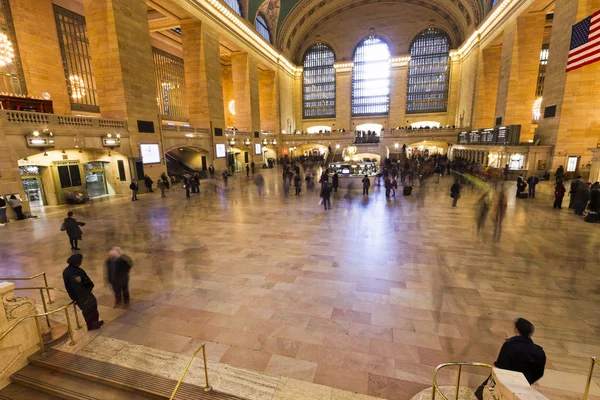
{"points": [[18, 392], [68, 387], [151, 386]]}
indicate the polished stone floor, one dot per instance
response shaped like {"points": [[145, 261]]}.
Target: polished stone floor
{"points": [[368, 297]]}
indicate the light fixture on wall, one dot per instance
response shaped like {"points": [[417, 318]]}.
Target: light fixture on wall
{"points": [[111, 141], [232, 142], [7, 53], [247, 142], [40, 140]]}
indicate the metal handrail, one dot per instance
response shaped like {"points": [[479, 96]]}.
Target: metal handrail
{"points": [[30, 278], [589, 379], [436, 387], [207, 388], [46, 313]]}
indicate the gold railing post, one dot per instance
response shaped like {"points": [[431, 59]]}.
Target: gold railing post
{"points": [[207, 388], [433, 392], [589, 379], [39, 331], [76, 316], [69, 326], [45, 308], [458, 381], [47, 290]]}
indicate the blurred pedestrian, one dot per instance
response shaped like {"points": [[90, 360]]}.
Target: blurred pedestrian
{"points": [[118, 266], [134, 189], [259, 181], [161, 186], [79, 287], [72, 227], [366, 185], [559, 194], [326, 195], [499, 214], [483, 207], [148, 183], [455, 192]]}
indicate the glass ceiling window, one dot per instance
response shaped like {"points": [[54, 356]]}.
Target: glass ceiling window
{"points": [[262, 28], [235, 6], [428, 72], [371, 77], [319, 82]]}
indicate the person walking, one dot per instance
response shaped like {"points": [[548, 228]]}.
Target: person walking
{"points": [[72, 227], [247, 171], [499, 214], [506, 171], [559, 194], [455, 192], [252, 167], [260, 184], [118, 266], [16, 206], [532, 182], [161, 186], [335, 181], [326, 195], [225, 178], [79, 287], [483, 207], [297, 183], [574, 187], [366, 185], [3, 219], [582, 197], [134, 189], [148, 183], [394, 186], [165, 180], [560, 172], [211, 171], [388, 186], [520, 354], [187, 182]]}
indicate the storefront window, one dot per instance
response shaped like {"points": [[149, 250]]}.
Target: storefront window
{"points": [[516, 161], [69, 176], [29, 170]]}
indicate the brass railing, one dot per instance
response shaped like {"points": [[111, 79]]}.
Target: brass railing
{"points": [[46, 314], [207, 388], [589, 379], [30, 278], [436, 388]]}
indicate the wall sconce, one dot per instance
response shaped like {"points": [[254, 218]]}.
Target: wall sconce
{"points": [[232, 142], [265, 142], [111, 142], [274, 142], [247, 142], [42, 141]]}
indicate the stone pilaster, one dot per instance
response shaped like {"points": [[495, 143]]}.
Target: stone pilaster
{"points": [[519, 68], [37, 39], [122, 59], [245, 92], [268, 101], [398, 83], [343, 90], [487, 87]]}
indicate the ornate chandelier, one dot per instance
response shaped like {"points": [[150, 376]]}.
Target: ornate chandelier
{"points": [[7, 53], [77, 86]]}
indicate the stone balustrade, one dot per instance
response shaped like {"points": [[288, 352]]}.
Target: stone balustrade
{"points": [[197, 132], [53, 121]]}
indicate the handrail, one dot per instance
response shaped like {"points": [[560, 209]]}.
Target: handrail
{"points": [[207, 388], [589, 379], [46, 313], [30, 278], [436, 388]]}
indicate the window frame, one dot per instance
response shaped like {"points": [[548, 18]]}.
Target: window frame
{"points": [[76, 58], [160, 60], [239, 6], [260, 19], [355, 80], [439, 33], [331, 73]]}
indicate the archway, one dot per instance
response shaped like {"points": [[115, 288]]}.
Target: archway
{"points": [[427, 147], [370, 127], [185, 160], [51, 177]]}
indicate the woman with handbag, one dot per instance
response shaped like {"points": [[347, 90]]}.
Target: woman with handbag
{"points": [[72, 227]]}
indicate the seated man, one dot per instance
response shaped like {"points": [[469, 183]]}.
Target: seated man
{"points": [[520, 354]]}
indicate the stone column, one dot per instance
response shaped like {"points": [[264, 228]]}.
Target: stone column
{"points": [[595, 170], [122, 59], [399, 76], [245, 92], [268, 101], [37, 39], [23, 341], [204, 82], [343, 90], [487, 87], [520, 61]]}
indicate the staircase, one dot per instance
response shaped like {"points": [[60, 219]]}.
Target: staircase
{"points": [[175, 167], [59, 375]]}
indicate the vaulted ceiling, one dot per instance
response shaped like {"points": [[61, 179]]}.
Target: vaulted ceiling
{"points": [[293, 20]]}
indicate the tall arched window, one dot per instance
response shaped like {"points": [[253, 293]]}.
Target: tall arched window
{"points": [[371, 77], [235, 6], [428, 72], [319, 82], [262, 28]]}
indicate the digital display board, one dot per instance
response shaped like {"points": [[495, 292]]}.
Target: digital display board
{"points": [[257, 148], [221, 151], [150, 153]]}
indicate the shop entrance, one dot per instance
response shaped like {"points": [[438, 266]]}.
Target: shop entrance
{"points": [[95, 179], [32, 184]]}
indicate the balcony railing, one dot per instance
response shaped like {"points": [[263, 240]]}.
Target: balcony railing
{"points": [[188, 130], [48, 121]]}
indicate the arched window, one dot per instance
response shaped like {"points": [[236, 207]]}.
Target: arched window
{"points": [[428, 72], [262, 28], [319, 82], [235, 6], [371, 77]]}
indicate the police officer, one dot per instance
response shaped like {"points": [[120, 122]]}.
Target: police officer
{"points": [[79, 286]]}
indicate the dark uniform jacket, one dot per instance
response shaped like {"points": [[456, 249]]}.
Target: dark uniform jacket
{"points": [[72, 227], [79, 286], [118, 270], [522, 355]]}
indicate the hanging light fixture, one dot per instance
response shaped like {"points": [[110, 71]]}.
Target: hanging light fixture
{"points": [[7, 53]]}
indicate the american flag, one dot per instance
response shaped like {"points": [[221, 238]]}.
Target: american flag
{"points": [[585, 42]]}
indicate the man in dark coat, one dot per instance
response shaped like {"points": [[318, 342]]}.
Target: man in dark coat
{"points": [[79, 287], [582, 197], [148, 182], [72, 227], [335, 181], [520, 354], [326, 195], [560, 172], [532, 182], [575, 185], [366, 185], [134, 189], [118, 266]]}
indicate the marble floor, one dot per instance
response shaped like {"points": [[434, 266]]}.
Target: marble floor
{"points": [[368, 297]]}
